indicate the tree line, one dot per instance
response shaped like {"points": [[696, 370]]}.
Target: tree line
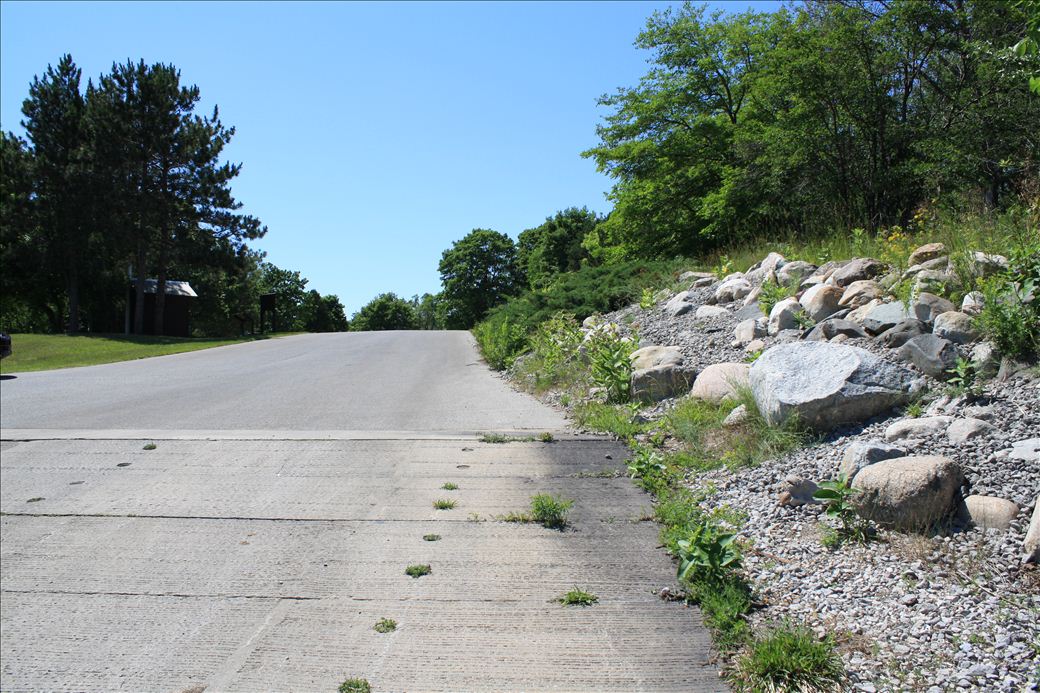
{"points": [[124, 177]]}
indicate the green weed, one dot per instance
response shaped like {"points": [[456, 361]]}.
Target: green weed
{"points": [[444, 504], [838, 501], [355, 686], [385, 625], [618, 420], [550, 511], [578, 597], [450, 486], [149, 446], [789, 659], [418, 570], [431, 537]]}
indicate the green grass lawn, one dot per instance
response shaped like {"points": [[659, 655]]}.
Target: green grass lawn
{"points": [[44, 352]]}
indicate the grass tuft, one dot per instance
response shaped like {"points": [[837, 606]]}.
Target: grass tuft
{"points": [[431, 537], [550, 511], [578, 597], [449, 486], [418, 570], [385, 625], [149, 446], [789, 658], [444, 504], [355, 686]]}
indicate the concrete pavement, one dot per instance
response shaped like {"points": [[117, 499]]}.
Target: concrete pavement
{"points": [[242, 560]]}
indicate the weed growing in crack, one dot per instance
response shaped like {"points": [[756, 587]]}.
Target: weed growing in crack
{"points": [[385, 625], [550, 511], [444, 504], [355, 686], [418, 570], [431, 537], [578, 597]]}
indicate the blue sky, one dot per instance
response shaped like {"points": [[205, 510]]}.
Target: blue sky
{"points": [[373, 135]]}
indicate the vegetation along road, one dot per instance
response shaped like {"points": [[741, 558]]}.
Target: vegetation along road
{"points": [[297, 513]]}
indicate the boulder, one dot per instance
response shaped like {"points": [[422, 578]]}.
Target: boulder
{"points": [[662, 295], [928, 306], [956, 327], [821, 301], [659, 382], [857, 270], [710, 312], [973, 303], [736, 417], [895, 337], [704, 281], [749, 330], [752, 297], [916, 428], [909, 493], [986, 359], [1026, 450], [782, 317], [926, 252], [720, 381], [983, 265], [963, 430], [863, 453], [933, 280], [990, 512], [825, 384], [1031, 545], [592, 321], [860, 293], [755, 345], [884, 317], [679, 304], [750, 311], [831, 328], [653, 356], [857, 314], [932, 355], [794, 271], [732, 290], [693, 276]]}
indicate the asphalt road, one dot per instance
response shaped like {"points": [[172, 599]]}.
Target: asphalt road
{"points": [[374, 381], [159, 534]]}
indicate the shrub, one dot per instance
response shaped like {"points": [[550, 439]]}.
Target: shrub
{"points": [[1010, 315], [838, 502], [772, 293], [355, 686], [707, 554], [611, 365], [500, 341], [619, 420], [418, 570], [550, 511], [578, 597]]}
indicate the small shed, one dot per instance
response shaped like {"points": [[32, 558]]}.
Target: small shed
{"points": [[176, 312]]}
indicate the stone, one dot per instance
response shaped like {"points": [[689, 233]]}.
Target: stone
{"points": [[771, 262], [752, 297], [955, 326], [736, 417], [883, 317], [983, 265], [750, 311], [989, 512], [710, 312], [732, 290], [662, 295], [895, 337], [860, 293], [1031, 545], [1026, 450], [863, 453], [755, 345], [926, 252], [679, 304], [659, 382], [932, 355], [748, 330], [973, 303], [929, 280], [916, 428], [857, 270], [794, 271], [909, 493], [858, 314], [694, 276], [782, 317], [592, 321], [986, 359], [833, 327], [821, 301], [720, 381], [928, 306], [798, 491], [653, 356], [963, 430], [825, 384]]}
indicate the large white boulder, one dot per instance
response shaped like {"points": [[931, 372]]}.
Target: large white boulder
{"points": [[732, 290], [679, 304], [653, 356], [783, 316], [825, 384], [990, 512], [955, 326], [821, 301], [912, 493]]}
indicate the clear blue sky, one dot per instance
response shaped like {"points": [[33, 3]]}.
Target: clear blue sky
{"points": [[372, 135]]}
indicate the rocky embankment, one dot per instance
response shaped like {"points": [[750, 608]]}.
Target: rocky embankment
{"points": [[947, 595]]}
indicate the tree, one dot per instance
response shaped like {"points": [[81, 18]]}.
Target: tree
{"points": [[478, 273], [429, 311], [323, 313], [555, 246], [385, 312], [54, 124], [291, 290]]}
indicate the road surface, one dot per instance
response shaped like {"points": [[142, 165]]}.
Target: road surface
{"points": [[291, 483]]}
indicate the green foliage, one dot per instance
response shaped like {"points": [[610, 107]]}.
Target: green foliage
{"points": [[772, 293], [500, 340], [838, 498], [550, 511], [418, 570], [789, 659], [555, 342], [554, 247], [646, 298], [385, 312], [646, 463], [478, 273], [1010, 315], [444, 504], [149, 446], [385, 625], [355, 686], [707, 554], [611, 366], [578, 597], [431, 537], [619, 420], [546, 437], [963, 378], [449, 486]]}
